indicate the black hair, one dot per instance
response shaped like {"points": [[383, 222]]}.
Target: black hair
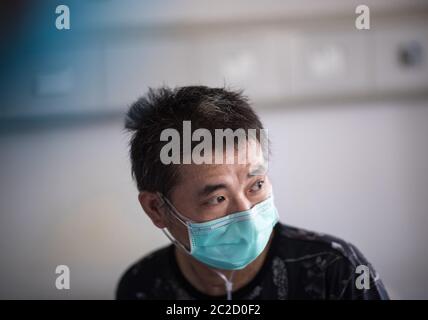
{"points": [[165, 108]]}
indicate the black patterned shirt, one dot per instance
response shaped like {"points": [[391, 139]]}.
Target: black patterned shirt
{"points": [[299, 265]]}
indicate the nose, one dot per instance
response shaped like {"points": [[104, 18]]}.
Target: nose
{"points": [[241, 203]]}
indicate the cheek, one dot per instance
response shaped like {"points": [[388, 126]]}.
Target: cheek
{"points": [[183, 200]]}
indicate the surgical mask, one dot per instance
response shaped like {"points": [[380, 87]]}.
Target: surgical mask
{"points": [[230, 242]]}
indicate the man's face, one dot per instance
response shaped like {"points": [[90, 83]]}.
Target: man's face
{"points": [[210, 191]]}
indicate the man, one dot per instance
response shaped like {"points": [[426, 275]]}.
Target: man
{"points": [[220, 215]]}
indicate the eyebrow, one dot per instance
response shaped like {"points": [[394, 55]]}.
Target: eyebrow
{"points": [[258, 171], [209, 188]]}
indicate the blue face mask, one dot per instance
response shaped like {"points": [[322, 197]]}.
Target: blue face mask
{"points": [[230, 242]]}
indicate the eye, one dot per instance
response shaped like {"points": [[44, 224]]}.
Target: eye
{"points": [[216, 200], [257, 186]]}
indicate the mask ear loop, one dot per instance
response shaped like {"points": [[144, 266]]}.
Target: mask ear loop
{"points": [[180, 218], [175, 241], [177, 214]]}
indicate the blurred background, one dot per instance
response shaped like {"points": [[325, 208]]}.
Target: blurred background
{"points": [[346, 109]]}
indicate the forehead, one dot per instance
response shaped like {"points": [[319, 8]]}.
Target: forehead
{"points": [[255, 163]]}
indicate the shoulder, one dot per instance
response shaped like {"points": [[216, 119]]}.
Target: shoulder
{"points": [[327, 264], [298, 243], [144, 273]]}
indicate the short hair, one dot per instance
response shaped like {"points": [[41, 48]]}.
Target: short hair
{"points": [[167, 108]]}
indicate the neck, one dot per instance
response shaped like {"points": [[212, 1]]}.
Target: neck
{"points": [[206, 280]]}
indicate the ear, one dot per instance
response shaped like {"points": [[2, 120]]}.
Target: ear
{"points": [[153, 207]]}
